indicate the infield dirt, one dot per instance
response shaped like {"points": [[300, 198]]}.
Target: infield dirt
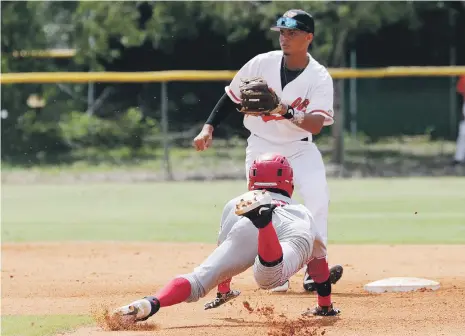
{"points": [[87, 277]]}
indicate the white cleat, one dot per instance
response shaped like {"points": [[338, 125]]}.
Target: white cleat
{"points": [[252, 200], [134, 312]]}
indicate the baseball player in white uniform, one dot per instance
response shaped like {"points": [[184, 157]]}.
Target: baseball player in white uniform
{"points": [[305, 88], [264, 229]]}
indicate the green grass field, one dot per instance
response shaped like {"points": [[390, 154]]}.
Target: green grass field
{"points": [[48, 325], [361, 211], [379, 211]]}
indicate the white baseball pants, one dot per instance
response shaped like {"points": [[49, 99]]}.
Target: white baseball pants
{"points": [[309, 174]]}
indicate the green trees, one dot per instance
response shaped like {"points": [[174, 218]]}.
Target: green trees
{"points": [[142, 35]]}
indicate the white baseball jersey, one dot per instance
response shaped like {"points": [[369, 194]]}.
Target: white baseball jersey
{"points": [[311, 92]]}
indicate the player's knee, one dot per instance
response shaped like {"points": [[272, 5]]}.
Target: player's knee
{"points": [[268, 276], [265, 282]]}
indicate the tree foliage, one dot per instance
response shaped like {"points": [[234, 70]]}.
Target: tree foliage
{"points": [[154, 35]]}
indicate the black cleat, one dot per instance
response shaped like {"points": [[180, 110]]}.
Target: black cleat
{"points": [[222, 299], [335, 274], [322, 311]]}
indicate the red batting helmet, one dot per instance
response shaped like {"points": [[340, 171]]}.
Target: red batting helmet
{"points": [[273, 171]]}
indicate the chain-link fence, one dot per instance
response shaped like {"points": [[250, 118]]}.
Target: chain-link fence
{"points": [[392, 126]]}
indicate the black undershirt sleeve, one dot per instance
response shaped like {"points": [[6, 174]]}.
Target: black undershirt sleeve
{"points": [[222, 109]]}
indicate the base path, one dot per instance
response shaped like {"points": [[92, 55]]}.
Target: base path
{"points": [[84, 278]]}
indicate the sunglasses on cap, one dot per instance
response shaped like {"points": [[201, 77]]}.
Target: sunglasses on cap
{"points": [[290, 23]]}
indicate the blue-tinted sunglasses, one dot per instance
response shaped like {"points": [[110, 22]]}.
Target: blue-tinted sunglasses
{"points": [[289, 23]]}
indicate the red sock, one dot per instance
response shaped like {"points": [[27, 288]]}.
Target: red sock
{"points": [[174, 292], [269, 248], [225, 286], [324, 301], [318, 269]]}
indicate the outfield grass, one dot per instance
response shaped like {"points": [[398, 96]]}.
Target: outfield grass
{"points": [[26, 325], [400, 210]]}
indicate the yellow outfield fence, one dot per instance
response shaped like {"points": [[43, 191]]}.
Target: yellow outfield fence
{"points": [[221, 75], [48, 53]]}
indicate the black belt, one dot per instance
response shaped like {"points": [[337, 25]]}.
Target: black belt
{"points": [[304, 139]]}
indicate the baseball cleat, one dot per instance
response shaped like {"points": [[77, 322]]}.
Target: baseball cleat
{"points": [[335, 274], [256, 206], [134, 312], [322, 311], [252, 200], [222, 298], [281, 289]]}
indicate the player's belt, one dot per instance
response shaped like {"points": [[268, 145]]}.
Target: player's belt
{"points": [[304, 139]]}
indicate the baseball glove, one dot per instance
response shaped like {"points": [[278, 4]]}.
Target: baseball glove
{"points": [[257, 98]]}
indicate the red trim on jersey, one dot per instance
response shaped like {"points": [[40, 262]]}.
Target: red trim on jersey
{"points": [[322, 111], [237, 100], [279, 202]]}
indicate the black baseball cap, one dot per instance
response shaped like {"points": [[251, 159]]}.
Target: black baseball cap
{"points": [[295, 19]]}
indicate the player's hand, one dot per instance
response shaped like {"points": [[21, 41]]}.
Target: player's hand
{"points": [[204, 139], [282, 109]]}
